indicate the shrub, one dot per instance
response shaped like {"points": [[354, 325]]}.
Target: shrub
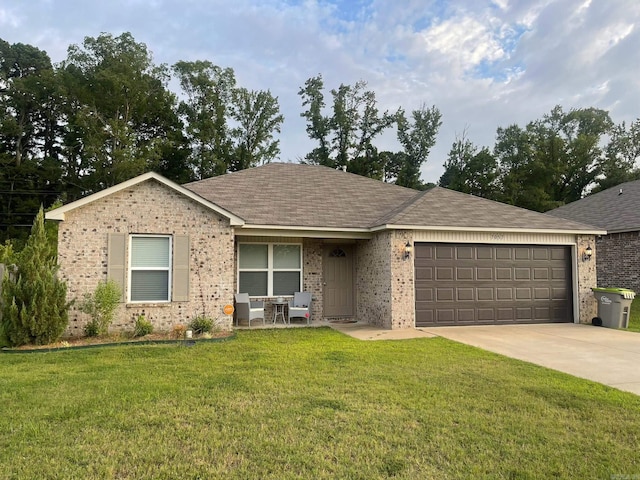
{"points": [[201, 325], [101, 305], [143, 327], [33, 302]]}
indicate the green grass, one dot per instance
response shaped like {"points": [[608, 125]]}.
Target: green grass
{"points": [[634, 315], [307, 403]]}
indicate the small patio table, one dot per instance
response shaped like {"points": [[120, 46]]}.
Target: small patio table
{"points": [[278, 309]]}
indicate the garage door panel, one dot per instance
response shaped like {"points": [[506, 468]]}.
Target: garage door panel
{"points": [[483, 294], [541, 274], [424, 273], [522, 273], [488, 284], [444, 294], [464, 253], [464, 273], [504, 294], [445, 315], [465, 294], [484, 273], [444, 273], [424, 294], [505, 314], [466, 315]]}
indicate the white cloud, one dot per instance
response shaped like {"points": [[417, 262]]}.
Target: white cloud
{"points": [[483, 63]]}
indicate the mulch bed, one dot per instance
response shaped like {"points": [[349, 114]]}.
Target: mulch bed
{"points": [[114, 340]]}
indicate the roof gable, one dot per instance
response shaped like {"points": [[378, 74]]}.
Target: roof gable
{"points": [[59, 213], [616, 209]]}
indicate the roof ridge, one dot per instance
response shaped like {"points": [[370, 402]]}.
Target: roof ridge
{"points": [[390, 215]]}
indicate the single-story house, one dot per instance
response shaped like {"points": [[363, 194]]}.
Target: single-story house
{"points": [[366, 250], [616, 210]]}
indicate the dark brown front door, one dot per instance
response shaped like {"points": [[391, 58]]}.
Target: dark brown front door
{"points": [[338, 281], [466, 284]]}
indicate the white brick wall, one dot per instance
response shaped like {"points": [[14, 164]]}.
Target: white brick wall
{"points": [[148, 208]]}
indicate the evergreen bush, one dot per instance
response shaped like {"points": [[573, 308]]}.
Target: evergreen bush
{"points": [[33, 302]]}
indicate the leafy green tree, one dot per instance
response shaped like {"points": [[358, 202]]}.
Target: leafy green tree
{"points": [[120, 116], [622, 152], [208, 89], [33, 301], [417, 138], [470, 171], [29, 137], [345, 138], [257, 118], [553, 160]]}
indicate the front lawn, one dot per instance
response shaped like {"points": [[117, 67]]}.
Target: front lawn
{"points": [[307, 403], [634, 315]]}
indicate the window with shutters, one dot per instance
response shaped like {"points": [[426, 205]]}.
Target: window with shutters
{"points": [[269, 269], [150, 268]]}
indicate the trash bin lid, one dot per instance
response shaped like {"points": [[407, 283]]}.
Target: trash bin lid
{"points": [[624, 292]]}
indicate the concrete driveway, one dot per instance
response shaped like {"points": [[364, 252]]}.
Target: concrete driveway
{"points": [[604, 355]]}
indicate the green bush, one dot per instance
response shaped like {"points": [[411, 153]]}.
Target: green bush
{"points": [[101, 305], [143, 327], [33, 302], [201, 325]]}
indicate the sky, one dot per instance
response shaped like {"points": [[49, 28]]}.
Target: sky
{"points": [[484, 64]]}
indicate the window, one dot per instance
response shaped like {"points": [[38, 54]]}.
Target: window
{"points": [[150, 268], [269, 269]]}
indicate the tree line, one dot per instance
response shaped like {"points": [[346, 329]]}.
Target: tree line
{"points": [[548, 163], [106, 114]]}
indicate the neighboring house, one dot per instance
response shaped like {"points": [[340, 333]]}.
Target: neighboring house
{"points": [[366, 250], [616, 210]]}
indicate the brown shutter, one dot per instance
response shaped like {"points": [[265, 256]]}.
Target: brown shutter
{"points": [[116, 261], [180, 268]]}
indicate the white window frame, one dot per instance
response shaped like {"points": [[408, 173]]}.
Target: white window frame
{"points": [[270, 269], [168, 269]]}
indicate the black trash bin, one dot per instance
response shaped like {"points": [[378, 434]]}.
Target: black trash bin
{"points": [[614, 306]]}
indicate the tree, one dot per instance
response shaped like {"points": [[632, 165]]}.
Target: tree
{"points": [[29, 136], [553, 160], [257, 117], [619, 164], [119, 113], [417, 139], [33, 302], [345, 138], [469, 170], [205, 112]]}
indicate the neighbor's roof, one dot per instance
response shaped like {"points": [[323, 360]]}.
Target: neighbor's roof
{"points": [[616, 209], [311, 196]]}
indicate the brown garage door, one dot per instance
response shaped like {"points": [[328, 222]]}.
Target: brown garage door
{"points": [[462, 284]]}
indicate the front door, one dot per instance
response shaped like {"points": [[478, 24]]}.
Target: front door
{"points": [[338, 281]]}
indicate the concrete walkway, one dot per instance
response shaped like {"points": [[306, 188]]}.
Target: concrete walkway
{"points": [[604, 355]]}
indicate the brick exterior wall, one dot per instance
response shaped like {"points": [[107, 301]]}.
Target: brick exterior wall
{"points": [[148, 208], [618, 262], [384, 281], [587, 305]]}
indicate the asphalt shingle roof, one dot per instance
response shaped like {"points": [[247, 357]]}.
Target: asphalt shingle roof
{"points": [[610, 209], [283, 194], [288, 194]]}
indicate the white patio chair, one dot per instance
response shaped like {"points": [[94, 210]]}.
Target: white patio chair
{"points": [[248, 310], [300, 306]]}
